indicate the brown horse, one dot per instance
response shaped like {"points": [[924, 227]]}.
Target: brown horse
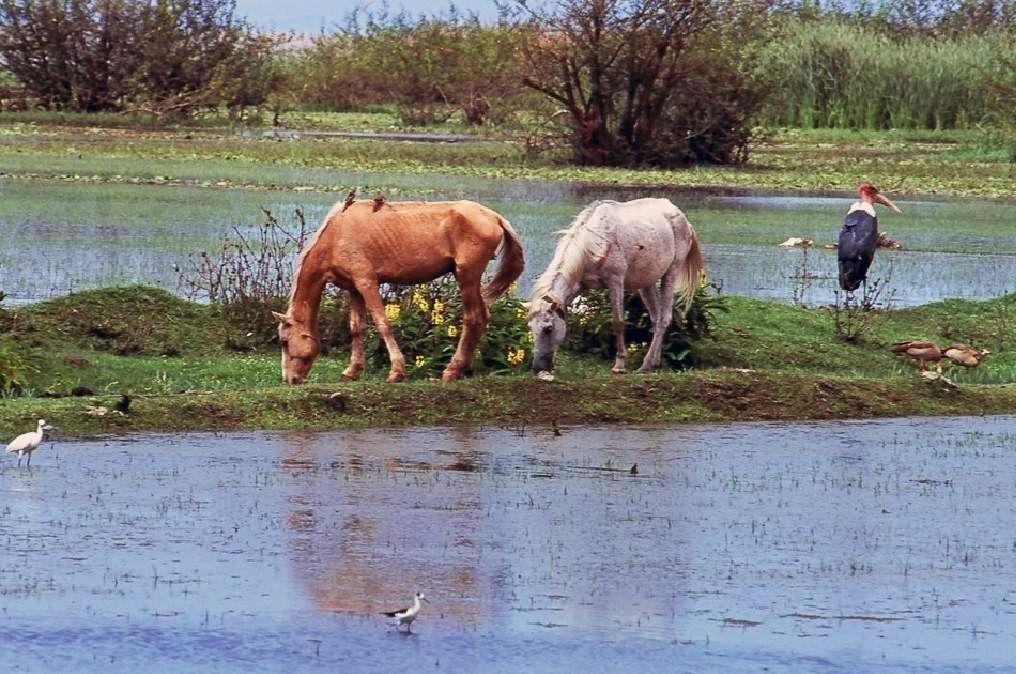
{"points": [[363, 244]]}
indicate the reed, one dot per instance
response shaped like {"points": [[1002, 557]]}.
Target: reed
{"points": [[834, 74]]}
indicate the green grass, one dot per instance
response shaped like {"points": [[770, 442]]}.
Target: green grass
{"points": [[183, 376], [917, 163]]}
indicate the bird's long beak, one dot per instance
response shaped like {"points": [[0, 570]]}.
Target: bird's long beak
{"points": [[884, 200], [47, 427], [426, 600]]}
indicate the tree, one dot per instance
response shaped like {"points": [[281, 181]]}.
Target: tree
{"points": [[620, 67], [162, 56]]}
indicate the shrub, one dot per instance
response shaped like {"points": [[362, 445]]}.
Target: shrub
{"points": [[590, 327], [15, 365], [427, 320]]}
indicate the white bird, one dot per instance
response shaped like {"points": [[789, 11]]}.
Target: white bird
{"points": [[406, 616], [26, 443]]}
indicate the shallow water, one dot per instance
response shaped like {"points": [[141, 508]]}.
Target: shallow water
{"points": [[55, 238], [856, 546]]}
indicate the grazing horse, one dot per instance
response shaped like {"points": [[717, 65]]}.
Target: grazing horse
{"points": [[634, 245], [363, 244]]}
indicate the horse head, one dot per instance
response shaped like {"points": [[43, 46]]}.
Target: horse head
{"points": [[546, 320], [300, 346]]}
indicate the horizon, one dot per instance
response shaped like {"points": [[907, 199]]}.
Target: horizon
{"points": [[311, 16]]}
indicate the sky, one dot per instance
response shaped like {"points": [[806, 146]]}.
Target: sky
{"points": [[312, 15]]}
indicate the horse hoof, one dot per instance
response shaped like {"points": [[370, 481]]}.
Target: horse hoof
{"points": [[351, 375], [449, 375], [395, 377], [618, 370]]}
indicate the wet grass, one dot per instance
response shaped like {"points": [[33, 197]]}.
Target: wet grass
{"points": [[908, 162], [768, 361]]}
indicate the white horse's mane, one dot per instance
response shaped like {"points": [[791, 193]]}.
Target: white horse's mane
{"points": [[585, 239]]}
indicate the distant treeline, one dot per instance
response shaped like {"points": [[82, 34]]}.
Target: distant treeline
{"points": [[660, 82]]}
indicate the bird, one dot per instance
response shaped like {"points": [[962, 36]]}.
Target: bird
{"points": [[922, 351], [962, 354], [859, 236], [406, 616], [26, 443]]}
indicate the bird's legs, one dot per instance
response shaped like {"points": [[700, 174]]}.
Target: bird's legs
{"points": [[29, 464]]}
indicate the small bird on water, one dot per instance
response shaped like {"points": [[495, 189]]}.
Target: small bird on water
{"points": [[26, 443], [406, 616]]}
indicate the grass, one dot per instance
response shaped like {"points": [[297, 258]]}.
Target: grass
{"points": [[944, 163], [768, 361]]}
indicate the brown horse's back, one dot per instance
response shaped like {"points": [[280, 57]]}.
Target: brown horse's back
{"points": [[410, 242]]}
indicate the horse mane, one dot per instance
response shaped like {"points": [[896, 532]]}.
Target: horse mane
{"points": [[334, 211], [583, 240]]}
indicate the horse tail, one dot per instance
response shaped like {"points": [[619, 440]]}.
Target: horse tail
{"points": [[509, 268], [690, 273]]}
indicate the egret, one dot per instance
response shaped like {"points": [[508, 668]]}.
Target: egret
{"points": [[26, 443], [406, 616]]}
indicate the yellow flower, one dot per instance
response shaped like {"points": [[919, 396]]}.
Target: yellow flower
{"points": [[516, 356], [420, 361], [635, 346], [453, 331], [529, 337], [513, 286], [521, 313], [703, 281], [437, 315], [420, 300], [392, 311]]}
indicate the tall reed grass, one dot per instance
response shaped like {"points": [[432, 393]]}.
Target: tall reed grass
{"points": [[836, 75]]}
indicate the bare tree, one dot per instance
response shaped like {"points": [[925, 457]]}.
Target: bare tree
{"points": [[617, 67]]}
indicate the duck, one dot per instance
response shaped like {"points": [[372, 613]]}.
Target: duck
{"points": [[962, 354], [922, 351], [406, 616], [26, 443]]}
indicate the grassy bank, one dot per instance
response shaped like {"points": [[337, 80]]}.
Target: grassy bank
{"points": [[179, 363], [957, 163]]}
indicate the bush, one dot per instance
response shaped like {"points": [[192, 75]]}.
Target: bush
{"points": [[590, 328], [427, 319], [15, 365]]}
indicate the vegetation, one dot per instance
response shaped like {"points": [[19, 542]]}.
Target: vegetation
{"points": [[765, 360], [835, 74], [167, 59]]}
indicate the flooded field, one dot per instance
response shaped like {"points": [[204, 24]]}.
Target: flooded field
{"points": [[55, 238], [836, 547]]}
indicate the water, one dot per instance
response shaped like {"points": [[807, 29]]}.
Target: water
{"points": [[825, 547], [56, 238]]}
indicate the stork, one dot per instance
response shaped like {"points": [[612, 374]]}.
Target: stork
{"points": [[859, 236]]}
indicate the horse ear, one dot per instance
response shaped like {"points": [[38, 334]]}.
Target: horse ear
{"points": [[282, 318]]}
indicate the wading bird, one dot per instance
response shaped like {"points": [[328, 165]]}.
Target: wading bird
{"points": [[406, 616], [922, 351], [26, 443], [964, 355], [859, 236]]}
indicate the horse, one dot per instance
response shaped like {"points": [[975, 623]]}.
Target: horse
{"points": [[362, 244], [646, 245]]}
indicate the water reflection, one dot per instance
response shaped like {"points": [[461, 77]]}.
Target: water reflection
{"points": [[861, 546]]}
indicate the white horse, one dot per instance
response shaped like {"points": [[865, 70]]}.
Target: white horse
{"points": [[646, 245]]}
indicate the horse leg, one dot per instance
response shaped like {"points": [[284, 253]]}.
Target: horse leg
{"points": [[371, 295], [616, 291], [662, 320], [651, 298], [357, 324], [475, 316]]}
